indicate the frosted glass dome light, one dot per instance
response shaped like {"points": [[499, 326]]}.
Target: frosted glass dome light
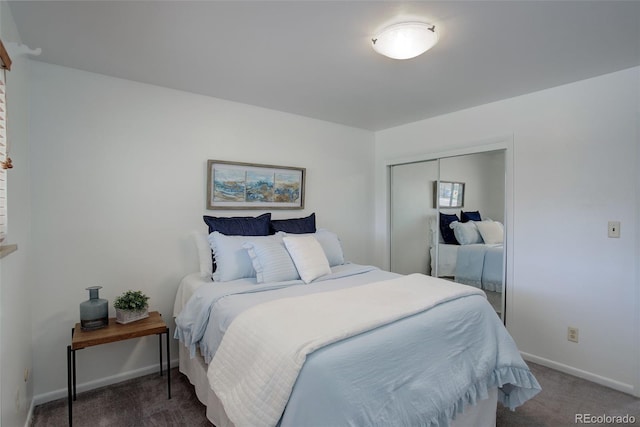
{"points": [[405, 40]]}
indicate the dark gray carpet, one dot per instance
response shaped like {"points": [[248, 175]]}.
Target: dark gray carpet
{"points": [[134, 403], [142, 402], [562, 397]]}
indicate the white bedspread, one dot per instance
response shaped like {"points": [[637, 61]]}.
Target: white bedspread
{"points": [[262, 352]]}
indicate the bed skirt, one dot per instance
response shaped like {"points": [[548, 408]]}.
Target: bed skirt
{"points": [[483, 414]]}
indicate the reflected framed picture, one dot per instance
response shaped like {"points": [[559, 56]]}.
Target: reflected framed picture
{"points": [[234, 185], [448, 195]]}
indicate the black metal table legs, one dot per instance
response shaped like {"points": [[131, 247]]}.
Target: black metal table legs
{"points": [[168, 361], [71, 372]]}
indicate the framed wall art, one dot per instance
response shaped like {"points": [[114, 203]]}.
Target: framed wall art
{"points": [[234, 185]]}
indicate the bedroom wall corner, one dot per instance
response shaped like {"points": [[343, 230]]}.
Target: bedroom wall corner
{"points": [[16, 347]]}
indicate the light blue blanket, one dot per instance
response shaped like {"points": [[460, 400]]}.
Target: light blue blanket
{"points": [[492, 271], [480, 265], [421, 370]]}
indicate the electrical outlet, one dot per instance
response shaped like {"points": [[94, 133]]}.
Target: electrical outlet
{"points": [[614, 229], [572, 334]]}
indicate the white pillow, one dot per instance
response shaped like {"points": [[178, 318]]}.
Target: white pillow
{"points": [[331, 245], [271, 261], [492, 231], [308, 256], [204, 253], [232, 260], [466, 232]]}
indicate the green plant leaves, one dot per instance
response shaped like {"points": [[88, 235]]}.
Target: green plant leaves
{"points": [[131, 300]]}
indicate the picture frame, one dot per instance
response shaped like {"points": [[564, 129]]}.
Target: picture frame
{"points": [[237, 185], [449, 195]]}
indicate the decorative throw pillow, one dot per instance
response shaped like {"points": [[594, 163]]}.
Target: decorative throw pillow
{"points": [[466, 232], [239, 225], [331, 245], [447, 233], [295, 225], [492, 231], [470, 216], [232, 260], [308, 256], [271, 260]]}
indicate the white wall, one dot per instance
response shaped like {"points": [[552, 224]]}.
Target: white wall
{"points": [[15, 287], [575, 168], [118, 173]]}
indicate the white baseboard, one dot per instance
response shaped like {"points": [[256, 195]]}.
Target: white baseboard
{"points": [[607, 382], [123, 376]]}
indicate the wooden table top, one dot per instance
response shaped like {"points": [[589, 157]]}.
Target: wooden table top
{"points": [[118, 332]]}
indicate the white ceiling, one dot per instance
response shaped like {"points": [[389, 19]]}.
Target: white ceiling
{"points": [[313, 58]]}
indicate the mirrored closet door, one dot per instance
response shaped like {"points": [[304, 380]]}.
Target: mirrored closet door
{"points": [[447, 220], [411, 212]]}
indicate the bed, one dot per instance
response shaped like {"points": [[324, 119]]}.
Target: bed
{"points": [[354, 345], [475, 256]]}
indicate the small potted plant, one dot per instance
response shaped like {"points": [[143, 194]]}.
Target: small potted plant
{"points": [[131, 306]]}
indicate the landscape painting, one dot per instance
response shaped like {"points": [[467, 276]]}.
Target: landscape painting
{"points": [[234, 185], [287, 187], [259, 186], [229, 185]]}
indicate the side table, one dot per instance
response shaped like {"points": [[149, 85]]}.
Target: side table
{"points": [[152, 325]]}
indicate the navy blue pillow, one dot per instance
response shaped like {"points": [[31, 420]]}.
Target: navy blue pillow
{"points": [[295, 225], [239, 225], [470, 216], [445, 231]]}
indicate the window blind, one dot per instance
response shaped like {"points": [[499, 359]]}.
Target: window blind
{"points": [[5, 160], [3, 156]]}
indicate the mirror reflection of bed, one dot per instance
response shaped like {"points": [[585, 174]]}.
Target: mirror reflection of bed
{"points": [[472, 254], [462, 242]]}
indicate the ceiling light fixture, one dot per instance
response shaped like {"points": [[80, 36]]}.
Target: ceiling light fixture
{"points": [[405, 40]]}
